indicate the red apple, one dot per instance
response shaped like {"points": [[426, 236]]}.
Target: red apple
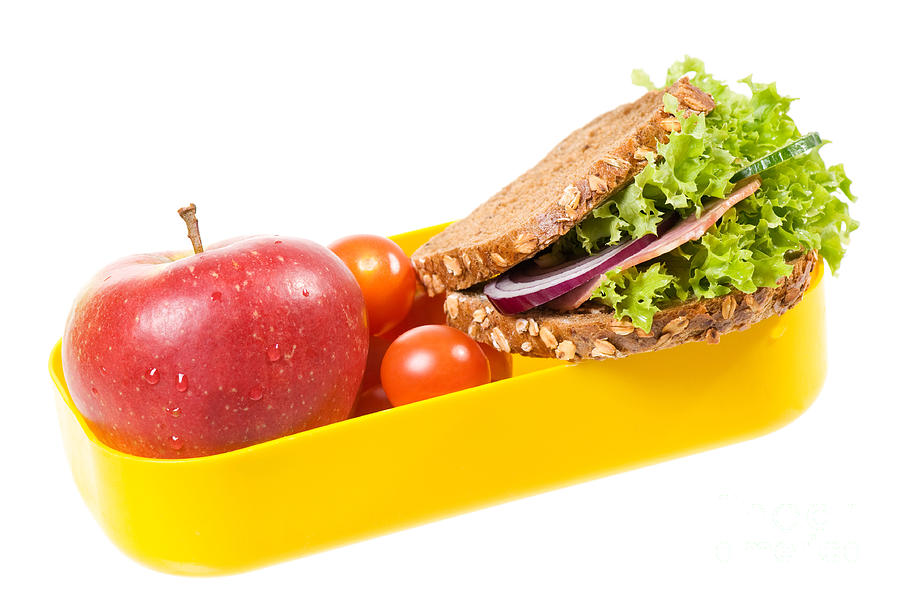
{"points": [[174, 356]]}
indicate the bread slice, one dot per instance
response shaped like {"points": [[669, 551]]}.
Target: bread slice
{"points": [[543, 204], [593, 332]]}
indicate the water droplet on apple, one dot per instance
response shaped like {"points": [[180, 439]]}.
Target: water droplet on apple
{"points": [[176, 442], [174, 411], [216, 296], [103, 370], [94, 391], [256, 393], [273, 352], [152, 376], [305, 292], [181, 384]]}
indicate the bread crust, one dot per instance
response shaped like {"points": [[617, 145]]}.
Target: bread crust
{"points": [[593, 332], [543, 204]]}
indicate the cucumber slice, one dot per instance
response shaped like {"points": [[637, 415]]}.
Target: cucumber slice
{"points": [[798, 147]]}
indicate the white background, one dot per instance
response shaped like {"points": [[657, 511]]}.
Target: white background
{"points": [[319, 122]]}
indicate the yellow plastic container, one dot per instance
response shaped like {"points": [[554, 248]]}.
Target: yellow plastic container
{"points": [[550, 425]]}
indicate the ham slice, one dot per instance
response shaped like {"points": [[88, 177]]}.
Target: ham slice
{"points": [[688, 229]]}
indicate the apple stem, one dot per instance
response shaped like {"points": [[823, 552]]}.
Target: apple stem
{"points": [[189, 215]]}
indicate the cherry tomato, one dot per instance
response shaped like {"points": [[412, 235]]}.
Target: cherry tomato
{"points": [[372, 375], [501, 362], [385, 275], [425, 309], [431, 360], [370, 400]]}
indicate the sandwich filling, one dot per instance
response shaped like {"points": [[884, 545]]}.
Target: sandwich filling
{"points": [[726, 202]]}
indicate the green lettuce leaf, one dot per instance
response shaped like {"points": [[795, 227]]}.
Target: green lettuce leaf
{"points": [[642, 79], [632, 293], [802, 204]]}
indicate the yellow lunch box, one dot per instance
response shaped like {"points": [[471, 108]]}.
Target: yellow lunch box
{"points": [[552, 424]]}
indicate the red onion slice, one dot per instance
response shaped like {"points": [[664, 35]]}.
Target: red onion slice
{"points": [[528, 285], [571, 283]]}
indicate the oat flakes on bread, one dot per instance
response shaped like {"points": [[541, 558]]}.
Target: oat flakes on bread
{"points": [[540, 206], [593, 332]]}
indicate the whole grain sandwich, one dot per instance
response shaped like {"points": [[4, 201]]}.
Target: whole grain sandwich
{"points": [[687, 214]]}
